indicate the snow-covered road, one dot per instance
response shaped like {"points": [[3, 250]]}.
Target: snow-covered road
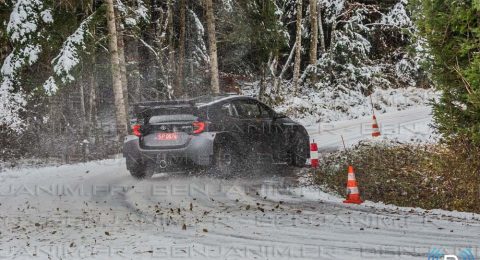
{"points": [[405, 126], [96, 210]]}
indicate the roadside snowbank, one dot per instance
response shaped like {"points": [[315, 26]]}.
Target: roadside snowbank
{"points": [[327, 105], [307, 191]]}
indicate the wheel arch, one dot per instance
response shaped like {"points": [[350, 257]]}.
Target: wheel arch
{"points": [[299, 130], [227, 137]]}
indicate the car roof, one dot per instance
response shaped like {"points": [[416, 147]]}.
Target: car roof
{"points": [[205, 101], [198, 102]]}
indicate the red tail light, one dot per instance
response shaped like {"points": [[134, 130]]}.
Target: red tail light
{"points": [[199, 127], [136, 130]]}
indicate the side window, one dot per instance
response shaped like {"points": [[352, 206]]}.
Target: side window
{"points": [[247, 109], [229, 110], [265, 112], [222, 111]]}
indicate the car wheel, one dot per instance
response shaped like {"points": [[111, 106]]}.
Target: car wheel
{"points": [[226, 160], [299, 150], [140, 171]]}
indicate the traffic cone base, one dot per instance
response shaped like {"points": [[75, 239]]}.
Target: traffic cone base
{"points": [[353, 194], [353, 199]]}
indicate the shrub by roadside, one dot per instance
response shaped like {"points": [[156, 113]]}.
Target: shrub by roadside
{"points": [[412, 175]]}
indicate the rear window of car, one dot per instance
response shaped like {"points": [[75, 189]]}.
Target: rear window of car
{"points": [[169, 113], [171, 118]]}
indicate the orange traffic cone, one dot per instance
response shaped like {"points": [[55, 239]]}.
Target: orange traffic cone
{"points": [[375, 128], [353, 195]]}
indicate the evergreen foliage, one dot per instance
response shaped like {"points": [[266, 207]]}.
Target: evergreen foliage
{"points": [[56, 75], [453, 32]]}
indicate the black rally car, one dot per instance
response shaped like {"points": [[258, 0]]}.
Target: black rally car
{"points": [[223, 132]]}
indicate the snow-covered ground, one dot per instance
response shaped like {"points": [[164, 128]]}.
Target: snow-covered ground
{"points": [[326, 105], [97, 211], [412, 125], [330, 105]]}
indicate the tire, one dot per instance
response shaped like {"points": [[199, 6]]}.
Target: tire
{"points": [[139, 171], [225, 160], [299, 151]]}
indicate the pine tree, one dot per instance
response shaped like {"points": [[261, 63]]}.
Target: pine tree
{"points": [[453, 29], [26, 32]]}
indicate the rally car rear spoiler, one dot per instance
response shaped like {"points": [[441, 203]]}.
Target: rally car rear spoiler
{"points": [[148, 106]]}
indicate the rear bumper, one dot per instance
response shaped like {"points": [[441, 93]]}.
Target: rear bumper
{"points": [[199, 151]]}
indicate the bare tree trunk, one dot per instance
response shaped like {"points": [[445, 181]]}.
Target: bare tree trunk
{"points": [[212, 42], [332, 34], [314, 32], [92, 96], [163, 78], [83, 112], [263, 82], [298, 47], [92, 99], [132, 58], [181, 47], [121, 116], [171, 50], [122, 63], [278, 80], [323, 48], [273, 68], [150, 57]]}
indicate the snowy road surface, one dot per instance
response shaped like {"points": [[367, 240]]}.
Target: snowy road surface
{"points": [[97, 211], [405, 126]]}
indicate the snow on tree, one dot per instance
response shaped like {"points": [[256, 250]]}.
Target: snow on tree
{"points": [[371, 50], [346, 65], [227, 5], [134, 15], [141, 12], [199, 53], [26, 32], [332, 9], [68, 58], [350, 61], [398, 16]]}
